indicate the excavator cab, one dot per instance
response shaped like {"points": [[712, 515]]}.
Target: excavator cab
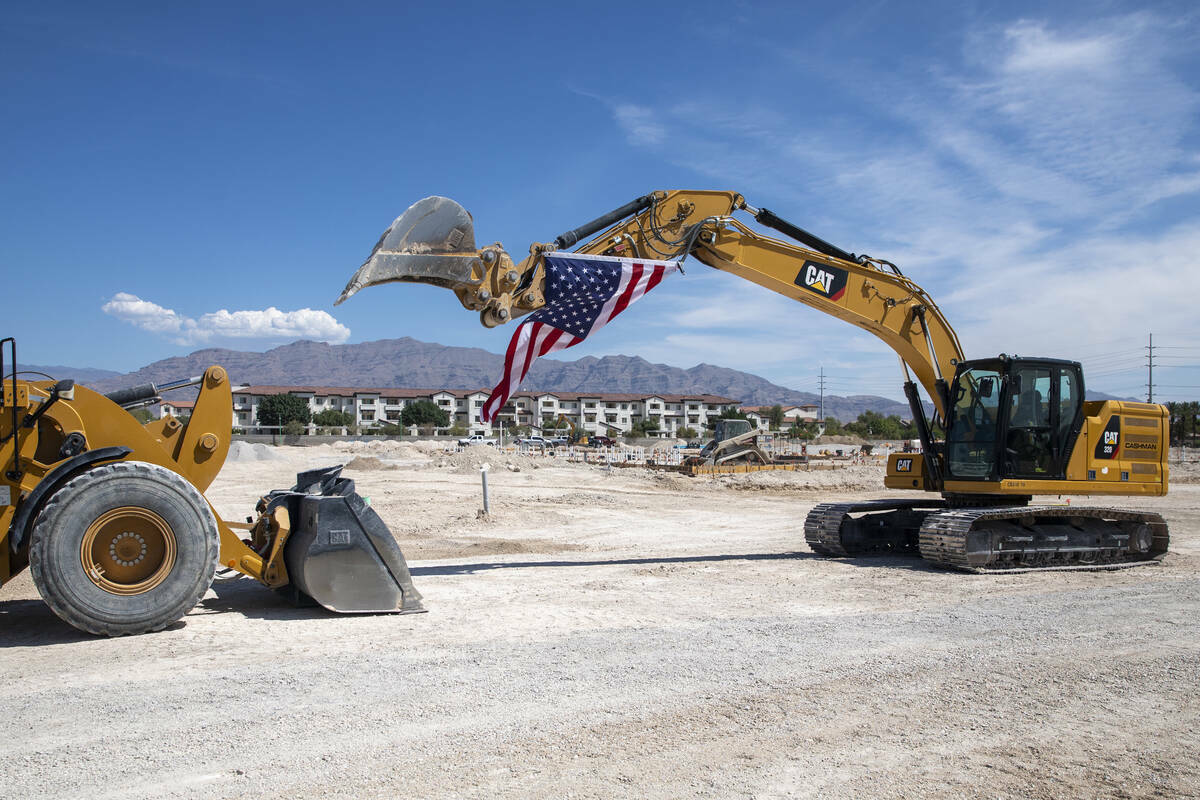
{"points": [[1013, 418]]}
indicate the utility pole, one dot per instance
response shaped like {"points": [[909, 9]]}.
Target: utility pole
{"points": [[821, 384], [1150, 367]]}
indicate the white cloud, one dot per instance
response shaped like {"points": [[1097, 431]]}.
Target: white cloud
{"points": [[639, 124], [269, 323], [142, 313], [1034, 49]]}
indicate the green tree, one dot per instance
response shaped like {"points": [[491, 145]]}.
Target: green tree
{"points": [[775, 417], [686, 433], [142, 415], [293, 427], [280, 409], [332, 418], [424, 412], [802, 429], [872, 424], [832, 426], [643, 428]]}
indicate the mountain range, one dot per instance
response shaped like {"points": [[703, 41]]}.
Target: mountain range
{"points": [[413, 364]]}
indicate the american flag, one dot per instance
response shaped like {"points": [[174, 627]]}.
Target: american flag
{"points": [[583, 292]]}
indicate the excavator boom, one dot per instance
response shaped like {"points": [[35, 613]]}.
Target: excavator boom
{"points": [[433, 242]]}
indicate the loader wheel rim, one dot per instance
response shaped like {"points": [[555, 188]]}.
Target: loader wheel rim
{"points": [[128, 550]]}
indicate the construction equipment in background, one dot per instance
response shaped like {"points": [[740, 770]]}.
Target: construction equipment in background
{"points": [[735, 441], [110, 516], [1015, 427], [576, 435]]}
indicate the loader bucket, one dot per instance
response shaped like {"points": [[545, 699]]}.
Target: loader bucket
{"points": [[432, 242], [340, 553]]}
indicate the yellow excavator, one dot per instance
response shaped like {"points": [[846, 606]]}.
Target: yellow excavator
{"points": [[110, 517], [1014, 427]]}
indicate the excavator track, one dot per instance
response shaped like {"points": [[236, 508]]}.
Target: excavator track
{"points": [[1015, 538], [1040, 537], [830, 530]]}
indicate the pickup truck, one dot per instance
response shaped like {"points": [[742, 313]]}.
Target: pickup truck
{"points": [[534, 441], [476, 438]]}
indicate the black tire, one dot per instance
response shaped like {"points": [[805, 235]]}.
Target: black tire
{"points": [[127, 491]]}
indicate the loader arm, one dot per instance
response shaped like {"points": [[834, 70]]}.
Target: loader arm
{"points": [[433, 243]]}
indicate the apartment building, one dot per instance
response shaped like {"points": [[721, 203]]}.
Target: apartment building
{"points": [[176, 408], [761, 415], [594, 412]]}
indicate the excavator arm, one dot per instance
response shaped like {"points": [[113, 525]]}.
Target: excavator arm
{"points": [[433, 242]]}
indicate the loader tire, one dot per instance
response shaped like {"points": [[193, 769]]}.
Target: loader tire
{"points": [[125, 548]]}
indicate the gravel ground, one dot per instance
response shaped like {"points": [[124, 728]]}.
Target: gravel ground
{"points": [[617, 632]]}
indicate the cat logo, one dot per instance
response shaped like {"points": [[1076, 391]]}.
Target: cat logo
{"points": [[1109, 444], [823, 279], [904, 465]]}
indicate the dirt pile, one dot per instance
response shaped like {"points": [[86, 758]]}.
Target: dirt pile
{"points": [[391, 450], [245, 451], [475, 456], [852, 477], [1187, 471], [368, 463]]}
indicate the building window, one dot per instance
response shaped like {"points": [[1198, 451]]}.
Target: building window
{"points": [[367, 401], [589, 405], [368, 416], [547, 404]]}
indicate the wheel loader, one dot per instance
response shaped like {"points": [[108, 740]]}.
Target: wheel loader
{"points": [[1015, 427], [110, 517]]}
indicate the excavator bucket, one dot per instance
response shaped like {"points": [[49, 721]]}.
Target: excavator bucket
{"points": [[340, 553], [432, 242]]}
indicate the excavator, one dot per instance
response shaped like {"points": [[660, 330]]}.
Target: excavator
{"points": [[1014, 427], [109, 513]]}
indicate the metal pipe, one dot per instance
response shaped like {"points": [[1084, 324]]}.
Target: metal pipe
{"points": [[483, 471]]}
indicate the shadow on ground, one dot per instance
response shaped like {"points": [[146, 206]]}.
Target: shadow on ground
{"points": [[31, 623], [890, 561]]}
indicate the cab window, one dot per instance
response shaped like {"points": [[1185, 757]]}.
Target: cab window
{"points": [[971, 438]]}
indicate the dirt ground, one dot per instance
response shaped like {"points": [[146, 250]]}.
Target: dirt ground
{"points": [[616, 632]]}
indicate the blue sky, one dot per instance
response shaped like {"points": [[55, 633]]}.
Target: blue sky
{"points": [[179, 175]]}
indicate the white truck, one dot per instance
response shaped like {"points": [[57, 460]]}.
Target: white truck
{"points": [[476, 438]]}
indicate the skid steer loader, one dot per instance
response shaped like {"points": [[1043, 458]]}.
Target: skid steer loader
{"points": [[110, 517]]}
